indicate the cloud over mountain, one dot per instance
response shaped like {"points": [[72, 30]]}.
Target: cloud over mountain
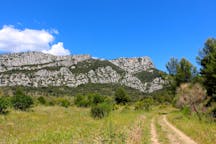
{"points": [[18, 40]]}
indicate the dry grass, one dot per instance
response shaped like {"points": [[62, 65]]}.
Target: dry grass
{"points": [[135, 134], [203, 132], [56, 124]]}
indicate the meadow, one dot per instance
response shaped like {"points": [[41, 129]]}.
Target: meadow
{"points": [[60, 125], [55, 124]]}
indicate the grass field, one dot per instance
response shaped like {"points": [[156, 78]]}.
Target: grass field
{"points": [[69, 125], [55, 124], [203, 132]]}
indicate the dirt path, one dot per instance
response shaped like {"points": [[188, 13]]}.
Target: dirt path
{"points": [[174, 135], [170, 134], [154, 136], [180, 135]]}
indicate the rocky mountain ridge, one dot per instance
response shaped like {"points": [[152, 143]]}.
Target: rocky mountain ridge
{"points": [[36, 69]]}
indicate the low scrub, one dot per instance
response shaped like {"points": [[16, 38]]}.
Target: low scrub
{"points": [[121, 97], [21, 102], [89, 100], [192, 97], [101, 110], [3, 105], [144, 104], [41, 100], [63, 102]]}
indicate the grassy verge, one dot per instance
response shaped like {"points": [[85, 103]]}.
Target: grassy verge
{"points": [[203, 132], [45, 124]]}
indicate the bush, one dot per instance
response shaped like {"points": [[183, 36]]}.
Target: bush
{"points": [[186, 110], [81, 101], [3, 105], [98, 99], [41, 100], [88, 100], [191, 96], [64, 102], [21, 101], [101, 110], [121, 97], [145, 104]]}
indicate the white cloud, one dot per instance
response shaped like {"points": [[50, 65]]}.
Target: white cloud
{"points": [[17, 40], [57, 49]]}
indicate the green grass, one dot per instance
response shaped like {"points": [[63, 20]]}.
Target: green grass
{"points": [[55, 124], [65, 125], [203, 132], [161, 131]]}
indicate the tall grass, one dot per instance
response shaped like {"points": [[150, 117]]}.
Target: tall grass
{"points": [[55, 124], [202, 131]]}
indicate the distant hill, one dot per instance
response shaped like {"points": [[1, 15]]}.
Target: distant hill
{"points": [[36, 69]]}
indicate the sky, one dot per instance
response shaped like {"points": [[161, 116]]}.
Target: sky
{"points": [[108, 29]]}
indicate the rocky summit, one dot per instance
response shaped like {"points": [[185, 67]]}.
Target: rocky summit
{"points": [[36, 69]]}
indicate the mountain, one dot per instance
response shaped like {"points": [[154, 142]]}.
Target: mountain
{"points": [[36, 69]]}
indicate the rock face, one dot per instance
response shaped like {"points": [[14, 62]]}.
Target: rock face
{"points": [[134, 65], [35, 69]]}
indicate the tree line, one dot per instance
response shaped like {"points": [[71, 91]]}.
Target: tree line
{"points": [[181, 72]]}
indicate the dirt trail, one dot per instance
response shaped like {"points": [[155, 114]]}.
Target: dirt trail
{"points": [[154, 136], [170, 134], [175, 135]]}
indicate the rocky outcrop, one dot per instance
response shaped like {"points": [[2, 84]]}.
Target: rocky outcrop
{"points": [[37, 60], [35, 69], [134, 65]]}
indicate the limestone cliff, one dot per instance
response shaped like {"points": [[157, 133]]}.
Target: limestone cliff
{"points": [[35, 69]]}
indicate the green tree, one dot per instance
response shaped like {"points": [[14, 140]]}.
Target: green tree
{"points": [[185, 72], [172, 66], [180, 72], [207, 60], [121, 96]]}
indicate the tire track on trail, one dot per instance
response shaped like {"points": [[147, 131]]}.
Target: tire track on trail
{"points": [[175, 135], [154, 137]]}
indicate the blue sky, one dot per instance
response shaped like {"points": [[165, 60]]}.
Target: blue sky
{"points": [[118, 28]]}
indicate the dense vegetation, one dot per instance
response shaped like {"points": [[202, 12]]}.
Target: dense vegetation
{"points": [[21, 101], [102, 89], [93, 64], [149, 76], [188, 84]]}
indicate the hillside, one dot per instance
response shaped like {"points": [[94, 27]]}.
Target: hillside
{"points": [[36, 69]]}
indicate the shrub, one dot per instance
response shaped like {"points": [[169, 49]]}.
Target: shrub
{"points": [[121, 97], [21, 101], [41, 100], [64, 102], [51, 103], [191, 96], [138, 105], [145, 104], [101, 110], [88, 100], [3, 105], [98, 99], [81, 101], [186, 110]]}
